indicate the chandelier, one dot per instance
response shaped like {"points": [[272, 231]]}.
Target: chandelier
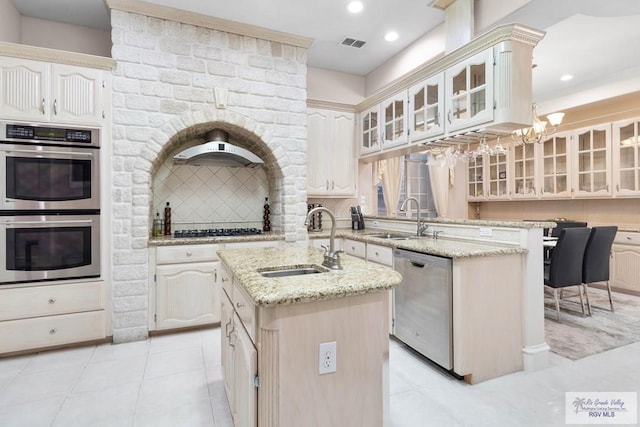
{"points": [[538, 132]]}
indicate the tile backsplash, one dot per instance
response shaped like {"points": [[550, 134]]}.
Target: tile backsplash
{"points": [[210, 196]]}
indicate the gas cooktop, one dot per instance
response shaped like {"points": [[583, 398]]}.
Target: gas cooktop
{"points": [[217, 232]]}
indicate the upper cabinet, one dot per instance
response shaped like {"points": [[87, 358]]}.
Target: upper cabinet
{"points": [[44, 92], [394, 126], [626, 157], [469, 92], [331, 160], [369, 131], [591, 161], [426, 104], [554, 162]]}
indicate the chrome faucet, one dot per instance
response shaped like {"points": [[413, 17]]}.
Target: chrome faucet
{"points": [[419, 227], [331, 257]]}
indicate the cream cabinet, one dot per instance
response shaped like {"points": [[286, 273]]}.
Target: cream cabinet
{"points": [[331, 163], [625, 262], [524, 178], [425, 110], [187, 292], [239, 354], [488, 178], [41, 316], [554, 166], [469, 91], [42, 92], [369, 131], [591, 161], [625, 145], [394, 120]]}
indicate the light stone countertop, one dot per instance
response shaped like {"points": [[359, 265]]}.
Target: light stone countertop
{"points": [[172, 241], [357, 276]]}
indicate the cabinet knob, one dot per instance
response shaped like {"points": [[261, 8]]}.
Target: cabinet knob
{"points": [[377, 254], [224, 279], [53, 331], [239, 305], [628, 237], [52, 300], [189, 253]]}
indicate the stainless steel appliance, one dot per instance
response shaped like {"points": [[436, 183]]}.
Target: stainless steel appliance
{"points": [[424, 305], [49, 247], [48, 168]]}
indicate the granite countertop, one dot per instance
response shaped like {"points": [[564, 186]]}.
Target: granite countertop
{"points": [[357, 276], [478, 222], [172, 241]]}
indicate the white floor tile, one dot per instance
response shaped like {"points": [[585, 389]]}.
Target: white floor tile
{"points": [[31, 387], [164, 342], [102, 375], [52, 360], [194, 414], [171, 391], [174, 361], [108, 407], [108, 351], [31, 414]]}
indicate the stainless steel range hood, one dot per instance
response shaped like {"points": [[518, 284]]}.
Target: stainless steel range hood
{"points": [[217, 152]]}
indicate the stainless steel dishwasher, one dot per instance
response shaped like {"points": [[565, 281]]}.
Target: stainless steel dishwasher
{"points": [[424, 305]]}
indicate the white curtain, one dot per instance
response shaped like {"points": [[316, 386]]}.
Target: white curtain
{"points": [[441, 175], [390, 174]]}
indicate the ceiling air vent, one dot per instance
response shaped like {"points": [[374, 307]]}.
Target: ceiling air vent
{"points": [[348, 41]]}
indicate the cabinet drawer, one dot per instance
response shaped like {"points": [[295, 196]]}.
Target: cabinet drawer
{"points": [[245, 309], [34, 301], [627, 238], [16, 335], [187, 253], [380, 254], [355, 248]]}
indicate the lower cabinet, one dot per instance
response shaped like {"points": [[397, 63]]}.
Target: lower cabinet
{"points": [[239, 360], [625, 262], [36, 317], [186, 291]]}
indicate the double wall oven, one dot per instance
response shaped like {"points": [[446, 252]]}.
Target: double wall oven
{"points": [[49, 202]]}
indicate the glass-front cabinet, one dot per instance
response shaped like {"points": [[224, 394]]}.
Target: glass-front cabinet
{"points": [[475, 179], [394, 130], [524, 180], [554, 167], [426, 104], [626, 157], [469, 91], [498, 176], [591, 161], [370, 141]]}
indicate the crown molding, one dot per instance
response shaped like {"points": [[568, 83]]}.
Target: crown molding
{"points": [[328, 105], [56, 56], [199, 20]]}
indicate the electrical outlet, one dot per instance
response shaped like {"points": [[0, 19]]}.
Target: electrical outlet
{"points": [[485, 231], [327, 358]]}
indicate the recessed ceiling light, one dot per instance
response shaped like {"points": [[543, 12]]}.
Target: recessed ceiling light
{"points": [[391, 36], [566, 77], [355, 7]]}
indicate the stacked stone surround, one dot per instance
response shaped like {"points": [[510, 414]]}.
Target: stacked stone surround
{"points": [[163, 98]]}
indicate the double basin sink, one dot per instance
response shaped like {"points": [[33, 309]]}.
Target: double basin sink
{"points": [[316, 269]]}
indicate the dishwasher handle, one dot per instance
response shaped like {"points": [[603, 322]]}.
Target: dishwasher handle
{"points": [[416, 264]]}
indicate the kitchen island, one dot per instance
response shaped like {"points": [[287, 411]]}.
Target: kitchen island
{"points": [[273, 329]]}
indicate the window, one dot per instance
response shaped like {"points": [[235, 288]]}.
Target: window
{"points": [[415, 183]]}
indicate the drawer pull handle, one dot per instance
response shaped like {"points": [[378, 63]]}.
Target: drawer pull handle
{"points": [[628, 237], [53, 331], [239, 305], [189, 253], [52, 300]]}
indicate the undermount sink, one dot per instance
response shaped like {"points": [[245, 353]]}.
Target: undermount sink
{"points": [[394, 236], [293, 271]]}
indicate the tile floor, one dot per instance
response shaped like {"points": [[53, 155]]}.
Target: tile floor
{"points": [[175, 380]]}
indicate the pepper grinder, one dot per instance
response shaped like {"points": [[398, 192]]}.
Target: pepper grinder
{"points": [[266, 223], [167, 220]]}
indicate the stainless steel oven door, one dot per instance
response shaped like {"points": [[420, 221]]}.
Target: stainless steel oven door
{"points": [[49, 247], [39, 177]]}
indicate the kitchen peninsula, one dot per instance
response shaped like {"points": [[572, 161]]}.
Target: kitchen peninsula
{"points": [[277, 327]]}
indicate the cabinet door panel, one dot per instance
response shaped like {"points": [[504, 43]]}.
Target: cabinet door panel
{"points": [[245, 366], [426, 103], [77, 95], [187, 295], [24, 89], [625, 145], [342, 157], [227, 342], [318, 144]]}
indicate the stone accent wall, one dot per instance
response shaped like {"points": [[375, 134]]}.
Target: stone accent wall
{"points": [[163, 96]]}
